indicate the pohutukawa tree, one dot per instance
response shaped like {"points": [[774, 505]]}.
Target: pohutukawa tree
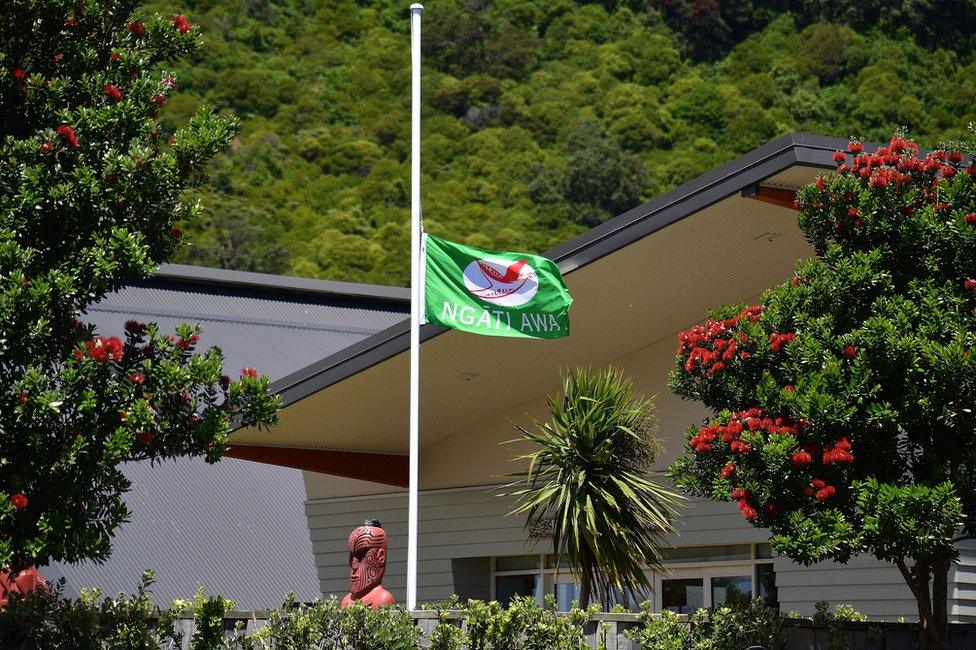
{"points": [[91, 192], [842, 404]]}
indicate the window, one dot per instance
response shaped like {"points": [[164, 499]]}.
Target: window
{"points": [[518, 575], [731, 590], [566, 593], [766, 585], [682, 595], [508, 587], [713, 576], [533, 575]]}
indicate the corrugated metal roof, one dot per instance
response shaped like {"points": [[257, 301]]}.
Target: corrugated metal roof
{"points": [[237, 528]]}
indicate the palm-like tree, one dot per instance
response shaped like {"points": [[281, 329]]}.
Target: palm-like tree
{"points": [[589, 475]]}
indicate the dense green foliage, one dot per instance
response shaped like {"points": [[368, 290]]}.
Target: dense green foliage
{"points": [[541, 118], [589, 476], [842, 404], [90, 194], [721, 628], [48, 621]]}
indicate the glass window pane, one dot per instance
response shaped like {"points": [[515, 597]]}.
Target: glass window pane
{"points": [[564, 564], [566, 593], [766, 584], [517, 563], [763, 551], [529, 584], [735, 590], [683, 596], [688, 554]]}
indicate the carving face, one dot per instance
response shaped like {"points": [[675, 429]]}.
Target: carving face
{"points": [[367, 559]]}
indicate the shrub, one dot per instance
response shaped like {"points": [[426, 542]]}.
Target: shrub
{"points": [[664, 631], [47, 620]]}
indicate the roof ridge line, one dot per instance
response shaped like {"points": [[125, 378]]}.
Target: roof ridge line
{"points": [[280, 283], [660, 212]]}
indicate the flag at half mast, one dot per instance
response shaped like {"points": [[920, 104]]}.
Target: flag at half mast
{"points": [[493, 293]]}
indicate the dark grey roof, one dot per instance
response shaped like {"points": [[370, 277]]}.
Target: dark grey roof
{"points": [[237, 527], [612, 235]]}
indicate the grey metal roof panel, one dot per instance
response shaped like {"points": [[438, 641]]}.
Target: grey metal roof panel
{"points": [[612, 235], [237, 528], [276, 331], [280, 283]]}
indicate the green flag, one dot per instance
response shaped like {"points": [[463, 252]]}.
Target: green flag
{"points": [[493, 293]]}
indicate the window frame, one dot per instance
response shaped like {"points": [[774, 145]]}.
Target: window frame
{"points": [[708, 570]]}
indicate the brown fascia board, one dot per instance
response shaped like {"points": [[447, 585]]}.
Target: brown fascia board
{"points": [[610, 236], [279, 284]]}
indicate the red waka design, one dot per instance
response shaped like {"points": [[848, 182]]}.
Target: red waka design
{"points": [[367, 564]]}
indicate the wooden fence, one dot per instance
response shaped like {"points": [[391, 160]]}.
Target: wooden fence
{"points": [[608, 631]]}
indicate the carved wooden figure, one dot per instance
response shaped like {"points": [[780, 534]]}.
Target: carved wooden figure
{"points": [[367, 564]]}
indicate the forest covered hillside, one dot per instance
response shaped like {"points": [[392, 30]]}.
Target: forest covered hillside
{"points": [[542, 118]]}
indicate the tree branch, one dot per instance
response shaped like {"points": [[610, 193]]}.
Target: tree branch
{"points": [[919, 590]]}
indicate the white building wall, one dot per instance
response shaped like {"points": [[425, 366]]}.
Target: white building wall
{"points": [[460, 524]]}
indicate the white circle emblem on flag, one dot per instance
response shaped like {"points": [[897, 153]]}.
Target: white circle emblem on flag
{"points": [[501, 282]]}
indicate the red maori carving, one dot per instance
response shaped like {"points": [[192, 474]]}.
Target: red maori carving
{"points": [[367, 564], [22, 583]]}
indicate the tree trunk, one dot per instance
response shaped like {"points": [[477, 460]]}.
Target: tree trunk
{"points": [[939, 634], [586, 570], [929, 584], [584, 600]]}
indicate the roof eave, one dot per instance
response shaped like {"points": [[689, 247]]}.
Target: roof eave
{"points": [[662, 211]]}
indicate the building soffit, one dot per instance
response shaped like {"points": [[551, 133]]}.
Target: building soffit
{"points": [[366, 382]]}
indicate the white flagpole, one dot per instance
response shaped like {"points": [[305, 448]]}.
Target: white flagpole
{"points": [[415, 296]]}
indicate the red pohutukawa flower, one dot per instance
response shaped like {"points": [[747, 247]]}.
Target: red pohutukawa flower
{"points": [[801, 458], [135, 327], [18, 74], [969, 284], [137, 378], [850, 351], [68, 134], [102, 349], [136, 28], [971, 218], [840, 453], [45, 147], [181, 24], [777, 341], [739, 494], [184, 343], [855, 147], [747, 510], [741, 447], [728, 470], [712, 345], [18, 501], [112, 91], [826, 492], [249, 372], [839, 157]]}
